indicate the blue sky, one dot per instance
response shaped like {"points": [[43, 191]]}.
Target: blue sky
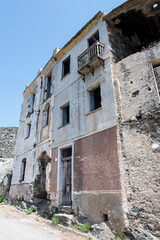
{"points": [[29, 31]]}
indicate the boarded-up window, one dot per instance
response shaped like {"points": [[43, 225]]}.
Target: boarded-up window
{"points": [[65, 114], [23, 169], [157, 75], [46, 116], [95, 99]]}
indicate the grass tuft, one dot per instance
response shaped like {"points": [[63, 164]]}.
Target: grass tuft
{"points": [[55, 220], [120, 236], [46, 215], [1, 198], [86, 227], [30, 210]]}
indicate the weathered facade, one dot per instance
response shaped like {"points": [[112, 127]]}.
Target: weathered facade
{"points": [[89, 125]]}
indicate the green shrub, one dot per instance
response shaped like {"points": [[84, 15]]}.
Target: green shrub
{"points": [[63, 230], [46, 215], [68, 212], [86, 227], [30, 210], [55, 220], [1, 198], [120, 236]]}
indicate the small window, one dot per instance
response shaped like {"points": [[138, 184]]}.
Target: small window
{"points": [[23, 169], [28, 130], [94, 38], [66, 66], [48, 87], [46, 116], [95, 99], [65, 114], [32, 102]]}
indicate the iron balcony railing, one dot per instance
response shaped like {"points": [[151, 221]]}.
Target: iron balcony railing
{"points": [[94, 51]]}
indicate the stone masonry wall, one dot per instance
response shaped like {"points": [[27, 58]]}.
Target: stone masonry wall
{"points": [[139, 129]]}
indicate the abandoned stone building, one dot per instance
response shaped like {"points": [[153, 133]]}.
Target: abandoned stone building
{"points": [[89, 126]]}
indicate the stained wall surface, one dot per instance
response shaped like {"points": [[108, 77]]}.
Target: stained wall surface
{"points": [[139, 130]]}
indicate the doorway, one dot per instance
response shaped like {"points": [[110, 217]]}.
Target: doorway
{"points": [[40, 180], [66, 176]]}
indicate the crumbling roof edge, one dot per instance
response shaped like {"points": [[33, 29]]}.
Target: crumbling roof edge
{"points": [[122, 8]]}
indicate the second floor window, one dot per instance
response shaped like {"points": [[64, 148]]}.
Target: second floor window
{"points": [[65, 114], [66, 66], [95, 98]]}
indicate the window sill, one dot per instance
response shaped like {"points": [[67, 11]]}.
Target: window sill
{"points": [[26, 138], [100, 108], [64, 125], [65, 76]]}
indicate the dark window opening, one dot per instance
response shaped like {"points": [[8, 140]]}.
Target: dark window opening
{"points": [[32, 101], [48, 87], [66, 66], [66, 153], [94, 38], [95, 99], [28, 130], [23, 169], [65, 115]]}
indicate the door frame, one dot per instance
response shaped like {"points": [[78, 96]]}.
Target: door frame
{"points": [[72, 171]]}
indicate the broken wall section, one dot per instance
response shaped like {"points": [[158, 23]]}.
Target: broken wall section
{"points": [[133, 27], [139, 120]]}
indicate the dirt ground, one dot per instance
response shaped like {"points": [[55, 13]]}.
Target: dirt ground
{"points": [[17, 225]]}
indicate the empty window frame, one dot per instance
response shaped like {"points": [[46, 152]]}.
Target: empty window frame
{"points": [[66, 67], [95, 98], [94, 38], [48, 87], [32, 102], [46, 116], [65, 114], [23, 170], [28, 130], [157, 76]]}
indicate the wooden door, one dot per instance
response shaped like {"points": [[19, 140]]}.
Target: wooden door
{"points": [[67, 186]]}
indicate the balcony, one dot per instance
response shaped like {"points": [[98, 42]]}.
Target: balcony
{"points": [[90, 59]]}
